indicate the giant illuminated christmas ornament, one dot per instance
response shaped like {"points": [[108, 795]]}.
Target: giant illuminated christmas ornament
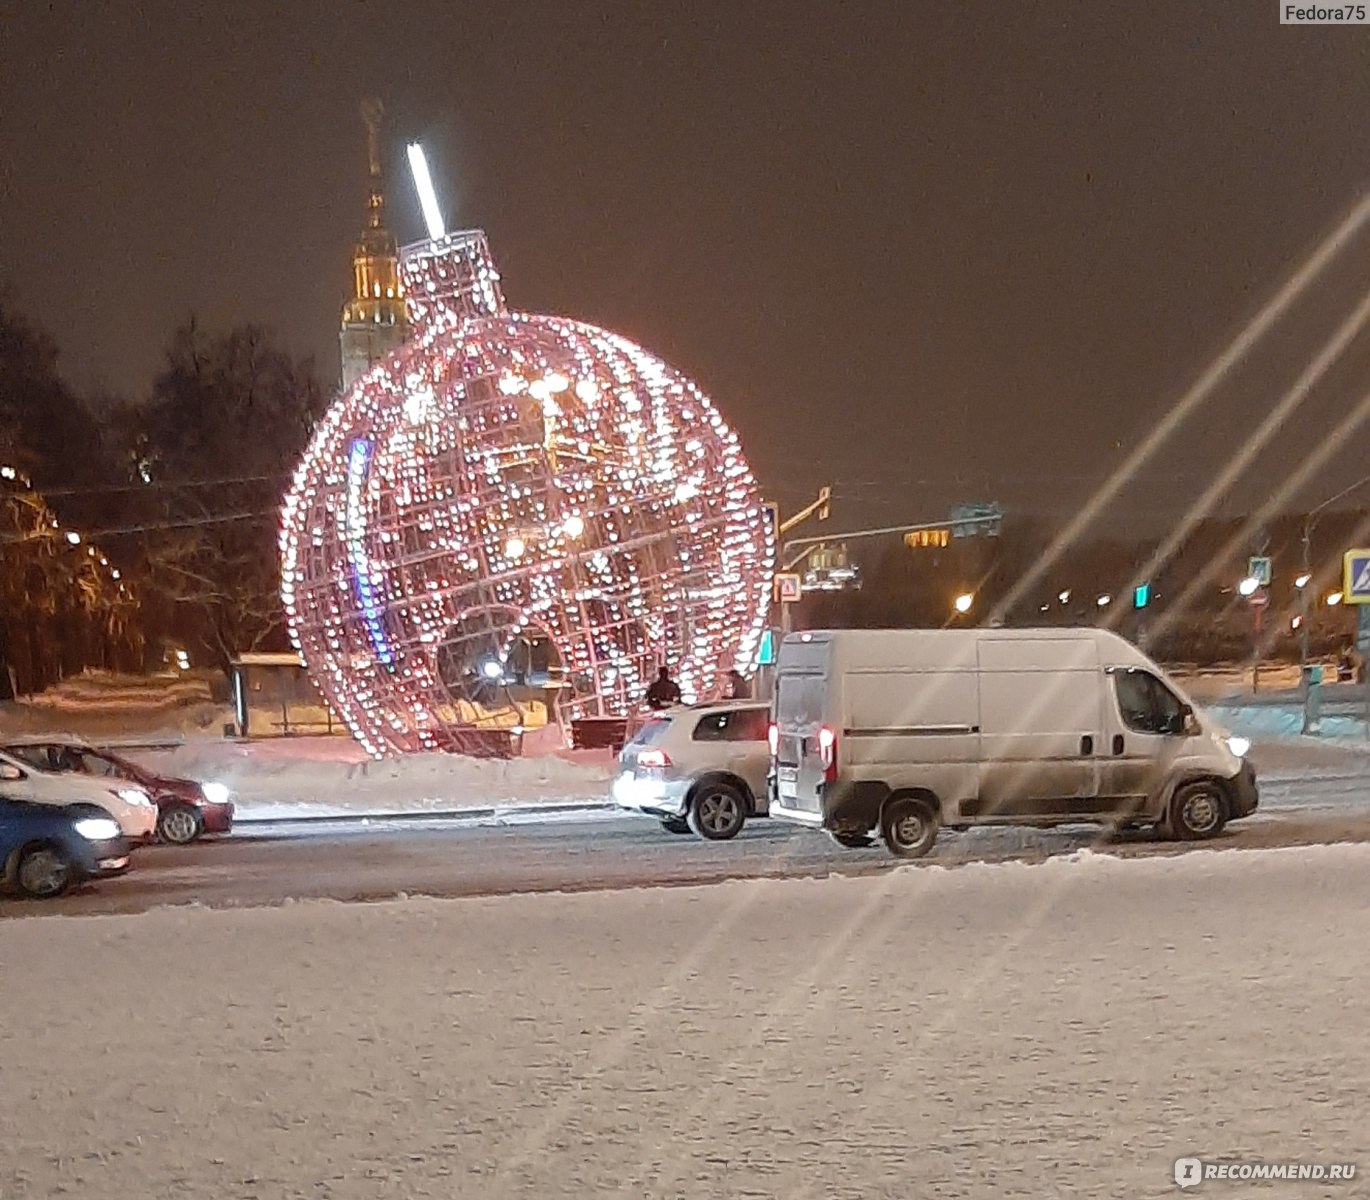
{"points": [[506, 479]]}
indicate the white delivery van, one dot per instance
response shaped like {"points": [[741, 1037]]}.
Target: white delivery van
{"points": [[906, 730]]}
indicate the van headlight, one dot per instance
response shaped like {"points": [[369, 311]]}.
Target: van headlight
{"points": [[133, 796], [1239, 745], [97, 829], [215, 793]]}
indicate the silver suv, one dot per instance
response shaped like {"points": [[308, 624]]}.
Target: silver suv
{"points": [[700, 769]]}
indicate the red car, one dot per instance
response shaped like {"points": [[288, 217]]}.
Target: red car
{"points": [[185, 809]]}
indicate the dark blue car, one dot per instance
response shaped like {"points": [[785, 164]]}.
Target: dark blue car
{"points": [[46, 849]]}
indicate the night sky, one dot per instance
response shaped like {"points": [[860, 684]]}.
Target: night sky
{"points": [[925, 252]]}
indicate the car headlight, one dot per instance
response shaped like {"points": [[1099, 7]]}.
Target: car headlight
{"points": [[134, 796], [1239, 745], [97, 829], [215, 793]]}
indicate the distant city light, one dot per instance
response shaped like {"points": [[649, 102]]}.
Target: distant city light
{"points": [[1249, 585], [491, 669], [573, 526], [1334, 599], [73, 537], [428, 197], [963, 602], [1104, 601], [1064, 597], [1303, 580]]}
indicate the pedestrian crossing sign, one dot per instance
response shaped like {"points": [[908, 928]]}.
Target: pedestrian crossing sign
{"points": [[1356, 577]]}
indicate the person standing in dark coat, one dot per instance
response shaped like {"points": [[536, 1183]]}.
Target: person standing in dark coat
{"points": [[664, 691]]}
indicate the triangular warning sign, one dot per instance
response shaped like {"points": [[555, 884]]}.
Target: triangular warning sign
{"points": [[1361, 583]]}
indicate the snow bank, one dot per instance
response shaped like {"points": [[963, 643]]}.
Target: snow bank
{"points": [[330, 777], [1064, 1030], [1285, 721]]}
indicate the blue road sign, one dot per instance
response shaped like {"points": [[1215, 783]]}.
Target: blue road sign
{"points": [[765, 656], [1355, 569]]}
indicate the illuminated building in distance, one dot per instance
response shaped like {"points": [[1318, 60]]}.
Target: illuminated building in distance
{"points": [[374, 322]]}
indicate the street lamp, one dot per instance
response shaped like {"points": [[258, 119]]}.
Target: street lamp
{"points": [[1303, 581], [1333, 600], [963, 602], [1104, 601], [1248, 586]]}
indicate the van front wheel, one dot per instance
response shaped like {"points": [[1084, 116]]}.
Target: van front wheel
{"points": [[908, 827], [1197, 811]]}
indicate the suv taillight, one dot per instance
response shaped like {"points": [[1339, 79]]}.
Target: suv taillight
{"points": [[827, 753], [653, 758], [773, 738]]}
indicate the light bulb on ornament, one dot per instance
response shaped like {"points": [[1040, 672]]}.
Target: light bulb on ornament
{"points": [[420, 540]]}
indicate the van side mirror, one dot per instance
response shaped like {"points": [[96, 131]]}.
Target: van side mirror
{"points": [[10, 774]]}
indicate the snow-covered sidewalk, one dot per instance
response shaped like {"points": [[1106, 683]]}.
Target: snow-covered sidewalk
{"points": [[1058, 1030]]}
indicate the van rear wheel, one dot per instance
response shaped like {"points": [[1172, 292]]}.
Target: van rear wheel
{"points": [[908, 827], [1197, 811]]}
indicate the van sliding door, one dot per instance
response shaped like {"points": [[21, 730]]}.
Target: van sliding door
{"points": [[1041, 725]]}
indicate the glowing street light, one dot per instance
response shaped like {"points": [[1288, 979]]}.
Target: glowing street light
{"points": [[573, 526], [1303, 580], [1104, 601], [514, 547], [1334, 599], [73, 537], [963, 602], [1248, 586], [1064, 597], [491, 669], [428, 196]]}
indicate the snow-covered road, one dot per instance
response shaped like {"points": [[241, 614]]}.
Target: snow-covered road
{"points": [[1067, 1029]]}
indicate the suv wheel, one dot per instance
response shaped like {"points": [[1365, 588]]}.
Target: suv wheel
{"points": [[717, 811]]}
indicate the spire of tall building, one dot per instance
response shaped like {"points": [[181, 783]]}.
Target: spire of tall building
{"points": [[373, 320]]}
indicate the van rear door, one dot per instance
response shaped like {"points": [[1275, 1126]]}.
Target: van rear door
{"points": [[801, 769]]}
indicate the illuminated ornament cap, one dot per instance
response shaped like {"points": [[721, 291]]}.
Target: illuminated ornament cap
{"points": [[503, 478]]}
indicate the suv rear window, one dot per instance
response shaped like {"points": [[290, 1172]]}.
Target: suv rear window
{"points": [[650, 733], [733, 725]]}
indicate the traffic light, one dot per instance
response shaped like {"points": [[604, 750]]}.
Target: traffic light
{"points": [[771, 513], [1141, 596]]}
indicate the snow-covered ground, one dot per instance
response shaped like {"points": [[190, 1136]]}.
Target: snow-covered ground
{"points": [[1067, 1029], [323, 776]]}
